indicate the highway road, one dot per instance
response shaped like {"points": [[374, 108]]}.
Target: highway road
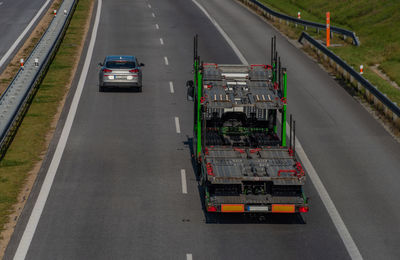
{"points": [[119, 189], [17, 18]]}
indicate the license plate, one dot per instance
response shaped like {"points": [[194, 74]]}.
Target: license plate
{"points": [[257, 208], [120, 77], [283, 208]]}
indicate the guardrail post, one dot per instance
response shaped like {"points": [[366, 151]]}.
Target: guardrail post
{"points": [[359, 87], [396, 119]]}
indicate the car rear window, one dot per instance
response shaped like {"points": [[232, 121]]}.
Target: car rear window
{"points": [[120, 64]]}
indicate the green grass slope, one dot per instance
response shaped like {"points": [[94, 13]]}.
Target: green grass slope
{"points": [[376, 23]]}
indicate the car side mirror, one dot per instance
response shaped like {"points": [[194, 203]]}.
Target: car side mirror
{"points": [[101, 64], [190, 90], [141, 64]]}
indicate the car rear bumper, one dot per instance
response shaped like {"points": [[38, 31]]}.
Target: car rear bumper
{"points": [[122, 84]]}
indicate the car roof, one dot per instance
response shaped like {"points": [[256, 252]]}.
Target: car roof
{"points": [[120, 57]]}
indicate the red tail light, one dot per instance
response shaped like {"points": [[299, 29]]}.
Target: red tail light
{"points": [[303, 209], [107, 70], [134, 71], [211, 209]]}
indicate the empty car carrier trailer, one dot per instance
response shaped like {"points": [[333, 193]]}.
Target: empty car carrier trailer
{"points": [[240, 147]]}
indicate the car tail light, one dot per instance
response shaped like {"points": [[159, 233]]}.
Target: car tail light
{"points": [[134, 71], [107, 70], [211, 209], [303, 209]]}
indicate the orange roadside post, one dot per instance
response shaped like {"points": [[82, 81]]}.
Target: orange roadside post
{"points": [[328, 28]]}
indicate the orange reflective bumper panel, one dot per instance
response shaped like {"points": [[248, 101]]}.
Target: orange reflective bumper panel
{"points": [[232, 208], [283, 208]]}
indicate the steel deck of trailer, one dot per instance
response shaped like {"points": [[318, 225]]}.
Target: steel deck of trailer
{"points": [[230, 165]]}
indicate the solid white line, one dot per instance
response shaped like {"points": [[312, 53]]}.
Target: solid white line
{"points": [[161, 41], [189, 257], [51, 172], [184, 184], [178, 128], [157, 27], [166, 61], [19, 39], [149, 5], [152, 14], [328, 203], [171, 87], [344, 233], [222, 32]]}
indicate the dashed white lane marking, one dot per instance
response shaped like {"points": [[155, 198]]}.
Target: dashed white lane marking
{"points": [[184, 184], [223, 33], [171, 87], [189, 257], [26, 30], [149, 5], [166, 61], [153, 14], [344, 233], [177, 126], [161, 41], [157, 26], [30, 228]]}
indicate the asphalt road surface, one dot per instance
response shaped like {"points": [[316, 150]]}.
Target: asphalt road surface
{"points": [[15, 16], [119, 188]]}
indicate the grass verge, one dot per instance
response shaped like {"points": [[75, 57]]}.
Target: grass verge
{"points": [[373, 23], [19, 167]]}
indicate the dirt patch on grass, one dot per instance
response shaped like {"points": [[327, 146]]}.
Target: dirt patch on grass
{"points": [[41, 119]]}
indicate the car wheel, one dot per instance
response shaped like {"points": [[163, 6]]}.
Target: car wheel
{"points": [[101, 88], [139, 89]]}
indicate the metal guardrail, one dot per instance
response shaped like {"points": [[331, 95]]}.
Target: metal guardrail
{"points": [[305, 23], [382, 98], [16, 99]]}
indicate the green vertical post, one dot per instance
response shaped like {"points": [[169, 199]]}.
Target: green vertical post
{"points": [[273, 73], [284, 107], [199, 95]]}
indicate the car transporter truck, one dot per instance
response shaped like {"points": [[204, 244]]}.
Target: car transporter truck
{"points": [[243, 158]]}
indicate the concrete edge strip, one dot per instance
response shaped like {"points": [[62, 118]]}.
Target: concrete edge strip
{"points": [[34, 218], [337, 220], [22, 35]]}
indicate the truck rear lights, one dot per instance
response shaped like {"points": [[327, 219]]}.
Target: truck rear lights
{"points": [[232, 208], [134, 71], [211, 209], [303, 209], [283, 208], [107, 70]]}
